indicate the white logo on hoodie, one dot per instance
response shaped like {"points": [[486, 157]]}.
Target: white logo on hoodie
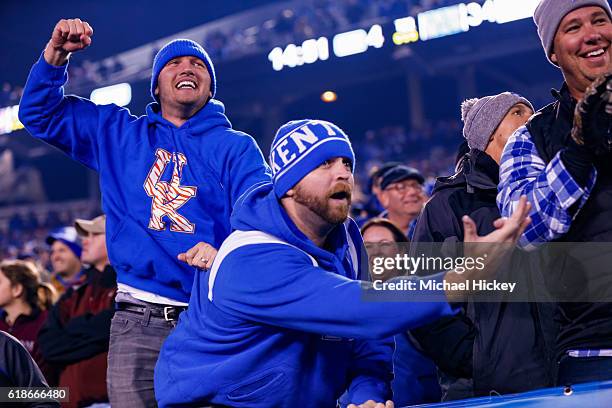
{"points": [[168, 197]]}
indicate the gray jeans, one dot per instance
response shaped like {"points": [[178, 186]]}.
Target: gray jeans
{"points": [[135, 342]]}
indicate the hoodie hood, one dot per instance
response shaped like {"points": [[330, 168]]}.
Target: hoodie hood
{"points": [[477, 170], [210, 116], [259, 209]]}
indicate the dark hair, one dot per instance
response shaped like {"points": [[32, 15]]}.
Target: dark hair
{"points": [[39, 295], [398, 235]]}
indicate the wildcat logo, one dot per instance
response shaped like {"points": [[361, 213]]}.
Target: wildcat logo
{"points": [[168, 197]]}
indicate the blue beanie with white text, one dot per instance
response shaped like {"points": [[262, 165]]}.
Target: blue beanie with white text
{"points": [[301, 146]]}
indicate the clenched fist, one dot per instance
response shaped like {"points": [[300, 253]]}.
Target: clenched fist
{"points": [[68, 36]]}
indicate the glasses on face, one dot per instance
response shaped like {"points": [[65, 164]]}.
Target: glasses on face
{"points": [[401, 188]]}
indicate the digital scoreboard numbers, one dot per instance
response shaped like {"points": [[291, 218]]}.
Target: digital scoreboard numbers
{"points": [[432, 24], [358, 41], [405, 31], [310, 51], [295, 55], [459, 18]]}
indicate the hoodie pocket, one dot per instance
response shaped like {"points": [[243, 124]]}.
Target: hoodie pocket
{"points": [[266, 386]]}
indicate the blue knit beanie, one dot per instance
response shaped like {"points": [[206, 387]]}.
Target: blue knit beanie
{"points": [[181, 48], [301, 146], [67, 235]]}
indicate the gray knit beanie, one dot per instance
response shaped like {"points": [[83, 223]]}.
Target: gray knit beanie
{"points": [[482, 116], [549, 13]]}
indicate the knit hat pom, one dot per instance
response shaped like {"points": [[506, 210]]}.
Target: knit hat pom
{"points": [[483, 115], [466, 107]]}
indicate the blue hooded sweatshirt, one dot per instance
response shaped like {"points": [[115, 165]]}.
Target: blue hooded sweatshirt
{"points": [[278, 321], [164, 188]]}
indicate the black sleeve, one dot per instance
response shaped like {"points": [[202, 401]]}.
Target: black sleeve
{"points": [[579, 162], [18, 369], [437, 222], [80, 338], [449, 342]]}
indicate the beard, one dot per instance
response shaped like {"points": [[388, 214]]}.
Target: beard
{"points": [[332, 213]]}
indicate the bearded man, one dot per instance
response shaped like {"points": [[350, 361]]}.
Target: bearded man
{"points": [[279, 321]]}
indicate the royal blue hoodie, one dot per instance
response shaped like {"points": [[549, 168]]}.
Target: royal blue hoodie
{"points": [[278, 321], [164, 188]]}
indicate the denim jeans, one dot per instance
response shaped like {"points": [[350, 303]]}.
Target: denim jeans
{"points": [[135, 342]]}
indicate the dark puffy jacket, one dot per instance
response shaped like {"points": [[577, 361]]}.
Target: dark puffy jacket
{"points": [[18, 369], [76, 336], [481, 346]]}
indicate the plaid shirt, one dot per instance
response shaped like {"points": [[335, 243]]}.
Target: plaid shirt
{"points": [[550, 189]]}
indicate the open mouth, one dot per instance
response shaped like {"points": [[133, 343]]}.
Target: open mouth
{"points": [[186, 84], [594, 54], [341, 195]]}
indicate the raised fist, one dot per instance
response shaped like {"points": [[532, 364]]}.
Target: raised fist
{"points": [[68, 36], [593, 117]]}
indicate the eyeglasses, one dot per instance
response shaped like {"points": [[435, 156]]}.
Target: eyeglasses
{"points": [[402, 188]]}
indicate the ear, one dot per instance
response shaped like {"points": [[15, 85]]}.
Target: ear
{"points": [[553, 57], [17, 290], [384, 198]]}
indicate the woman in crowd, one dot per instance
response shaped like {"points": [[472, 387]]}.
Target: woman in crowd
{"points": [[415, 380], [24, 303]]}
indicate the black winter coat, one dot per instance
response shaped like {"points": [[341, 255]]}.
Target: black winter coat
{"points": [[499, 346]]}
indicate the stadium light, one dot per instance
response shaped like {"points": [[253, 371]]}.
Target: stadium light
{"points": [[9, 122], [329, 96]]}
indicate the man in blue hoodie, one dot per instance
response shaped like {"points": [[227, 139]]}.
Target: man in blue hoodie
{"points": [[279, 320], [169, 179]]}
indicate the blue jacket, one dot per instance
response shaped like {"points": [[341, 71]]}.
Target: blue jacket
{"points": [[278, 321], [163, 188]]}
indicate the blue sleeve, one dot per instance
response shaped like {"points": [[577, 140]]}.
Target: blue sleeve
{"points": [[69, 123], [247, 167], [371, 371], [550, 189], [278, 285]]}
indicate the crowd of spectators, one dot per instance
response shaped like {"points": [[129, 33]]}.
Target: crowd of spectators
{"points": [[10, 94], [311, 19], [23, 234], [431, 149]]}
